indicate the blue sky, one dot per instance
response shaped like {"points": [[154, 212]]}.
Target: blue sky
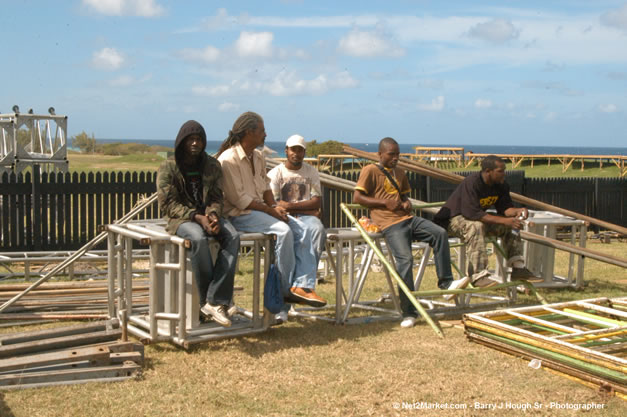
{"points": [[424, 72]]}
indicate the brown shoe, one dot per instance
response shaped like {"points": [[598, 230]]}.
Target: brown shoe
{"points": [[307, 296]]}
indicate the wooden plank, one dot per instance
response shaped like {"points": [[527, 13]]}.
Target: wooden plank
{"points": [[95, 355], [28, 215]]}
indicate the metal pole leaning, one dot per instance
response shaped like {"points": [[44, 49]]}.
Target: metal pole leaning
{"points": [[392, 271]]}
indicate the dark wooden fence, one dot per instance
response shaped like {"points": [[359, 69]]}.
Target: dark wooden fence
{"points": [[50, 212]]}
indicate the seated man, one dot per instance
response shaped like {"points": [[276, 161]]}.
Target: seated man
{"points": [[384, 188], [464, 216], [296, 187], [251, 207], [189, 190]]}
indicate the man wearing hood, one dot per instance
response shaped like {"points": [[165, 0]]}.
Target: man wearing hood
{"points": [[189, 189]]}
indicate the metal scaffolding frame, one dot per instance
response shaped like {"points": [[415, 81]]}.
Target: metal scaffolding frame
{"points": [[173, 312], [47, 146]]}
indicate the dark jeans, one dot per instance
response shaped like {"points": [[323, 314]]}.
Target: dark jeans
{"points": [[399, 237], [214, 282]]}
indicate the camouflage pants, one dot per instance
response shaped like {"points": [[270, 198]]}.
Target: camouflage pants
{"points": [[473, 234]]}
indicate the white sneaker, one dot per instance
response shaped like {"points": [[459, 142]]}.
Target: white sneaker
{"points": [[408, 322], [281, 317], [217, 313], [458, 284]]}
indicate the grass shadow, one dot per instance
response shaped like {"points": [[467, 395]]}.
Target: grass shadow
{"points": [[297, 334], [5, 411]]}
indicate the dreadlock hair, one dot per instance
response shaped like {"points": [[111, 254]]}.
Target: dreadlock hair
{"points": [[246, 121], [385, 142], [490, 161]]}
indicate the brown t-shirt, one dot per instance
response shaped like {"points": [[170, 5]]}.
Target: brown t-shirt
{"points": [[375, 184]]}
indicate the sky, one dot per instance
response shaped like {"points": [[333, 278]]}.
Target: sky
{"points": [[424, 72]]}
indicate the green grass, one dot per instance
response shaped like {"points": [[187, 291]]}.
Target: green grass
{"points": [[151, 161], [305, 368], [544, 170], [98, 162]]}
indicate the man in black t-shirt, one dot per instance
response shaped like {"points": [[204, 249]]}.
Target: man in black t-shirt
{"points": [[464, 215]]}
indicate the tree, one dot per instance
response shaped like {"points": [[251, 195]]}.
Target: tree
{"points": [[85, 143], [329, 147]]}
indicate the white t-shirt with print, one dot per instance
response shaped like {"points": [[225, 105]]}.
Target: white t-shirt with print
{"points": [[294, 186]]}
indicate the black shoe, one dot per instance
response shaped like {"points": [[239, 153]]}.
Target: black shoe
{"points": [[521, 274]]}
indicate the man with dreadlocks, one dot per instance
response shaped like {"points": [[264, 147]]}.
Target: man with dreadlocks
{"points": [[251, 207], [189, 190]]}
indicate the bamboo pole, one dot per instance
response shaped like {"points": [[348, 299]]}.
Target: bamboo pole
{"points": [[392, 271], [456, 179]]}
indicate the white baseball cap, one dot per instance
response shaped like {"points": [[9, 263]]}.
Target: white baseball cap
{"points": [[296, 140]]}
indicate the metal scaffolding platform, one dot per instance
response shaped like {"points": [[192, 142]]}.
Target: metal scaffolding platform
{"points": [[43, 141]]}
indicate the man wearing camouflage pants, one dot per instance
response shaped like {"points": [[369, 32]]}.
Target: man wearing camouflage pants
{"points": [[464, 216]]}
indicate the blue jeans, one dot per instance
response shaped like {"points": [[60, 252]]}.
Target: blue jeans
{"points": [[399, 237], [318, 234], [214, 282], [295, 255]]}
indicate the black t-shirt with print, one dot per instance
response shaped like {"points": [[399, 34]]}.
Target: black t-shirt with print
{"points": [[472, 198]]}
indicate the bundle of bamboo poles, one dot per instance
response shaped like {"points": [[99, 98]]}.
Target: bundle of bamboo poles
{"points": [[586, 340]]}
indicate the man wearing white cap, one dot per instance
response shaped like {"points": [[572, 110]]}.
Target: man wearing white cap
{"points": [[296, 188]]}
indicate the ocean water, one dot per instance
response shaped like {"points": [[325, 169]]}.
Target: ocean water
{"points": [[279, 147]]}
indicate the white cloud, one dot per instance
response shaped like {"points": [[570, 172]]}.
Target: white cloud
{"points": [[550, 116], [287, 83], [284, 83], [437, 104], [608, 108], [228, 106], [108, 59], [205, 55], [482, 103], [144, 8], [368, 44], [495, 30], [616, 18], [255, 44]]}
